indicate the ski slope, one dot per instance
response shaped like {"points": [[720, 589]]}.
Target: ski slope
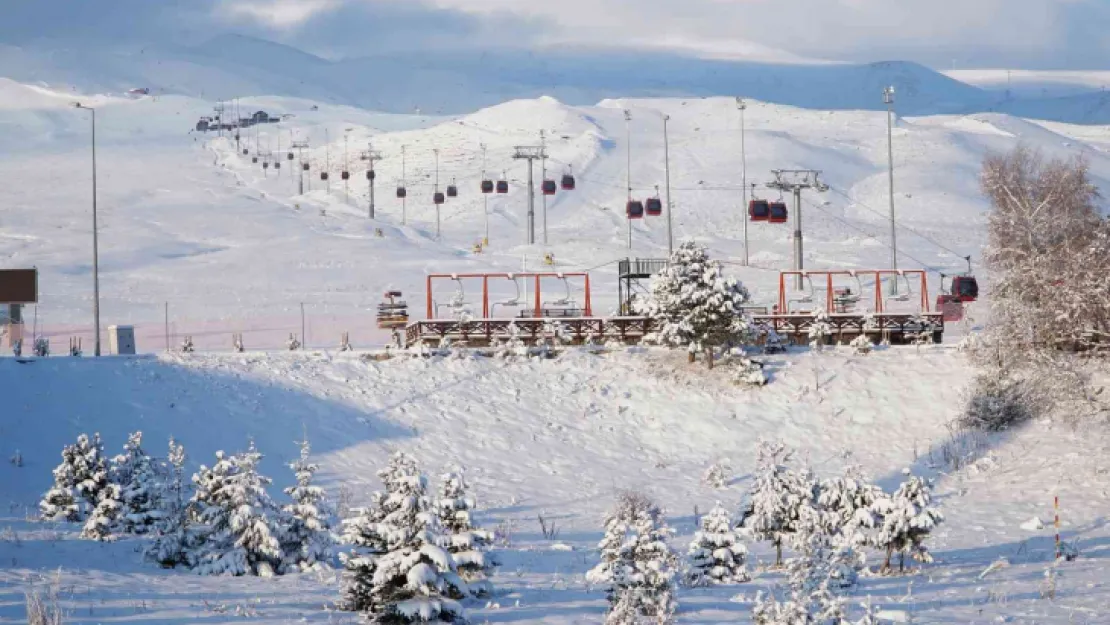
{"points": [[183, 212]]}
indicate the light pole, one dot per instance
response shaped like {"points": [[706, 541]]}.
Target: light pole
{"points": [[485, 197], [628, 139], [667, 179], [742, 106], [436, 194], [888, 99], [543, 181], [96, 246]]}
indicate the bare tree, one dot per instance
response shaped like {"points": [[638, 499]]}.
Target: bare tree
{"points": [[1048, 254]]}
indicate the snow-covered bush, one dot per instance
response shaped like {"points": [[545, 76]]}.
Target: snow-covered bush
{"points": [[512, 346], [293, 343], [907, 519], [717, 555], [467, 542], [42, 347], [239, 527], [773, 342], [398, 572], [693, 306], [555, 335], [187, 345], [746, 371], [78, 482], [716, 476], [998, 402], [819, 330], [171, 543], [862, 344], [637, 565], [780, 497], [307, 539]]}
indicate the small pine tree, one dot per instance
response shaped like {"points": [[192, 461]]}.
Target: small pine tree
{"points": [[717, 555], [467, 543], [907, 519], [308, 538], [411, 577], [637, 565], [173, 532], [819, 330], [360, 532], [845, 505], [692, 305], [91, 471], [141, 482], [780, 497], [241, 528], [60, 502], [106, 516]]}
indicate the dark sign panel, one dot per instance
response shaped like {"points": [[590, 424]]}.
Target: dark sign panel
{"points": [[19, 286]]}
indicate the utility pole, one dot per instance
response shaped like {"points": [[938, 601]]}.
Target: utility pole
{"points": [[346, 168], [796, 180], [327, 159], [485, 197], [543, 179], [96, 244], [667, 176], [888, 99], [628, 140], [372, 156], [300, 147], [404, 213], [530, 153], [743, 106]]}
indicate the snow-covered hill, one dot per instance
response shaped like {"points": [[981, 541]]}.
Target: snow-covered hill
{"points": [[556, 438]]}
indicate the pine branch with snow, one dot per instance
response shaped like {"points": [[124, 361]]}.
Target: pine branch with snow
{"points": [[717, 555], [693, 306], [308, 538], [638, 567], [467, 543], [60, 503], [908, 518]]}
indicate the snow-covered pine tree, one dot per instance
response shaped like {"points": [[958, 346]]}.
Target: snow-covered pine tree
{"points": [[172, 542], [467, 542], [637, 565], [141, 482], [907, 519], [819, 330], [242, 529], [717, 555], [845, 503], [413, 579], [308, 538], [692, 305], [60, 502], [780, 497], [106, 517], [91, 471]]}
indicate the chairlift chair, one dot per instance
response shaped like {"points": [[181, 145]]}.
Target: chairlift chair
{"points": [[801, 297], [512, 301]]}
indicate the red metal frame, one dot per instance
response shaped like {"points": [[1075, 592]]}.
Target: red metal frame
{"points": [[877, 274], [536, 277]]}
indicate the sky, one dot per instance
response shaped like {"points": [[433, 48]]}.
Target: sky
{"points": [[1032, 34]]}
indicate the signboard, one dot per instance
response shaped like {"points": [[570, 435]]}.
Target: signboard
{"points": [[19, 286]]}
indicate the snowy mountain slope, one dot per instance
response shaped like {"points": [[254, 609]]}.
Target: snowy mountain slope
{"points": [[179, 210], [639, 419]]}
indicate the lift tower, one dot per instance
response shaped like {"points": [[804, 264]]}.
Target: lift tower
{"points": [[795, 181]]}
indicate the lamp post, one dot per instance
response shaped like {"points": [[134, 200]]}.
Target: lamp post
{"points": [[96, 248], [628, 140], [743, 106], [667, 176], [888, 99]]}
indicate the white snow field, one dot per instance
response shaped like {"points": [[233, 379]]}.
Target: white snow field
{"points": [[558, 438], [191, 227]]}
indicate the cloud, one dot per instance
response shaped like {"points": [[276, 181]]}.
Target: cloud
{"points": [[967, 33]]}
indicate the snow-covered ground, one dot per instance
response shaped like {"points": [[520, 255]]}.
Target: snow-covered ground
{"points": [[557, 438]]}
